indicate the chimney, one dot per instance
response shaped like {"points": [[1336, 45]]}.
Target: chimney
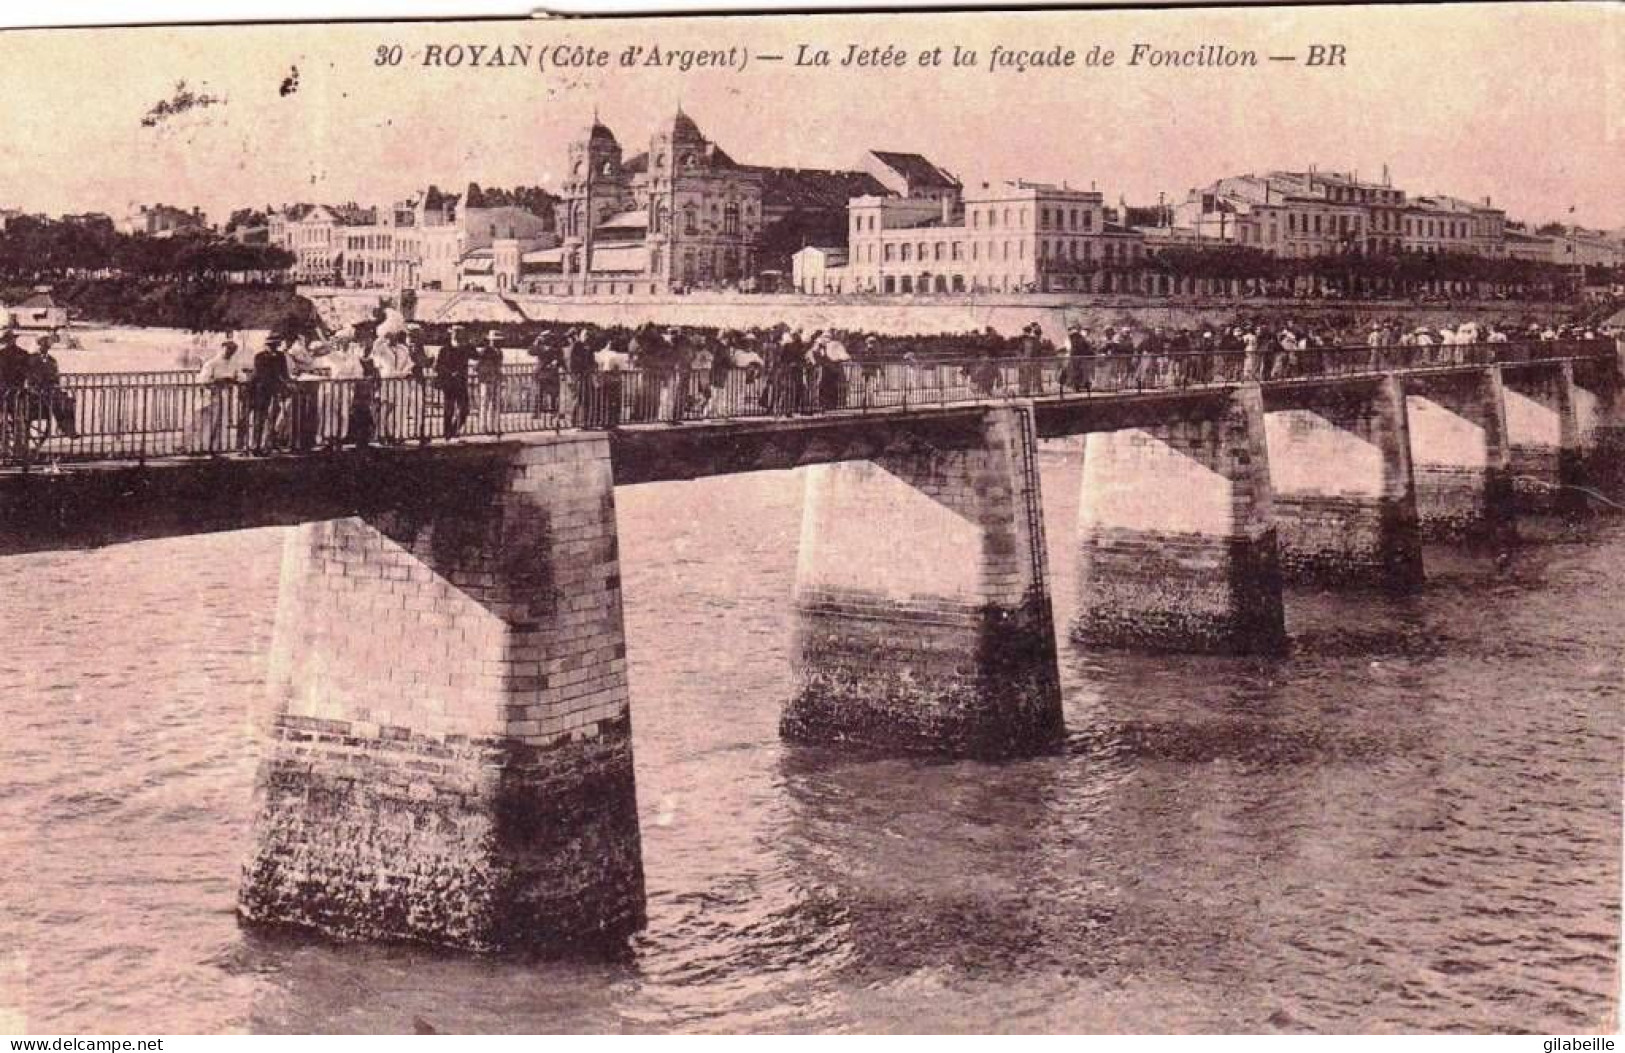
{"points": [[1385, 181]]}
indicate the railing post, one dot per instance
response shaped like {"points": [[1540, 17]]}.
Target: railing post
{"points": [[141, 427]]}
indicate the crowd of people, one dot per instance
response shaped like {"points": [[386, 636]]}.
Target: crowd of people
{"points": [[261, 398], [397, 379]]}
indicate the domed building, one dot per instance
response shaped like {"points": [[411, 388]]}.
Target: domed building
{"points": [[682, 215]]}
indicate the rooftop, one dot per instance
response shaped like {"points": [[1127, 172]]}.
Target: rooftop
{"points": [[917, 170], [815, 188]]}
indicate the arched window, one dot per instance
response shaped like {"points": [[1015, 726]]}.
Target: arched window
{"points": [[691, 219], [730, 218]]}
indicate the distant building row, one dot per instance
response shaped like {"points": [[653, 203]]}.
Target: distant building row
{"points": [[1022, 236], [684, 214]]}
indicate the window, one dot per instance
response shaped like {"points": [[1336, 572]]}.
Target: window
{"points": [[691, 220], [959, 250], [730, 218], [888, 252], [1088, 220], [1043, 219], [907, 250], [1007, 217]]}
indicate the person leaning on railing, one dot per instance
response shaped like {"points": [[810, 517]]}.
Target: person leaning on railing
{"points": [[45, 377], [267, 387], [488, 368], [549, 358], [220, 374], [13, 393], [451, 377]]}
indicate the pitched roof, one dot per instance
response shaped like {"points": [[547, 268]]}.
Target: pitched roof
{"points": [[814, 188], [916, 169]]}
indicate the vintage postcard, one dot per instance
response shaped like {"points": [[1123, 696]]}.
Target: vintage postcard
{"points": [[1096, 521]]}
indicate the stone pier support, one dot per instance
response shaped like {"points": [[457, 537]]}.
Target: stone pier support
{"points": [[1599, 411], [1460, 456], [1543, 429], [1176, 548], [923, 620], [449, 755], [1345, 493]]}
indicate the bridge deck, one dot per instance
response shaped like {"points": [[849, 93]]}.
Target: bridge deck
{"points": [[92, 495]]}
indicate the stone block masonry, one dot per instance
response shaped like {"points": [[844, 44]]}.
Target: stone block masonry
{"points": [[1176, 551], [1460, 456], [1543, 430], [923, 620], [1600, 422], [449, 753], [1345, 494]]}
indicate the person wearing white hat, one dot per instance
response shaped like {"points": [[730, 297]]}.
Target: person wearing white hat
{"points": [[220, 374]]}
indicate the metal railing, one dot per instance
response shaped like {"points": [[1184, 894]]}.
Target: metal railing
{"points": [[136, 417]]}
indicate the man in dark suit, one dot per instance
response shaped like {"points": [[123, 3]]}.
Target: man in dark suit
{"points": [[451, 376], [266, 388]]}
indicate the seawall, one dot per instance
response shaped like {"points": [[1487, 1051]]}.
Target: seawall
{"points": [[905, 314]]}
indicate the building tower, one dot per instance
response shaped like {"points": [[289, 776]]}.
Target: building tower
{"points": [[595, 188]]}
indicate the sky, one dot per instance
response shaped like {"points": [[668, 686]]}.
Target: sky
{"points": [[1524, 104]]}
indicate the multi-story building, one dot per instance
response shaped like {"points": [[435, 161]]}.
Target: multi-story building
{"points": [[911, 176], [1009, 237], [161, 220], [431, 240], [1440, 223], [1296, 213], [684, 214], [317, 236]]}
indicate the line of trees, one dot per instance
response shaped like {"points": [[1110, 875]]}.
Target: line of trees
{"points": [[1351, 272], [533, 198], [38, 249]]}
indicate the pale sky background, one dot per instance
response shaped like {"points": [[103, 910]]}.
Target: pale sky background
{"points": [[1522, 103]]}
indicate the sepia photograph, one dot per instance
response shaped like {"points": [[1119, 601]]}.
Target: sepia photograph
{"points": [[1015, 521]]}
